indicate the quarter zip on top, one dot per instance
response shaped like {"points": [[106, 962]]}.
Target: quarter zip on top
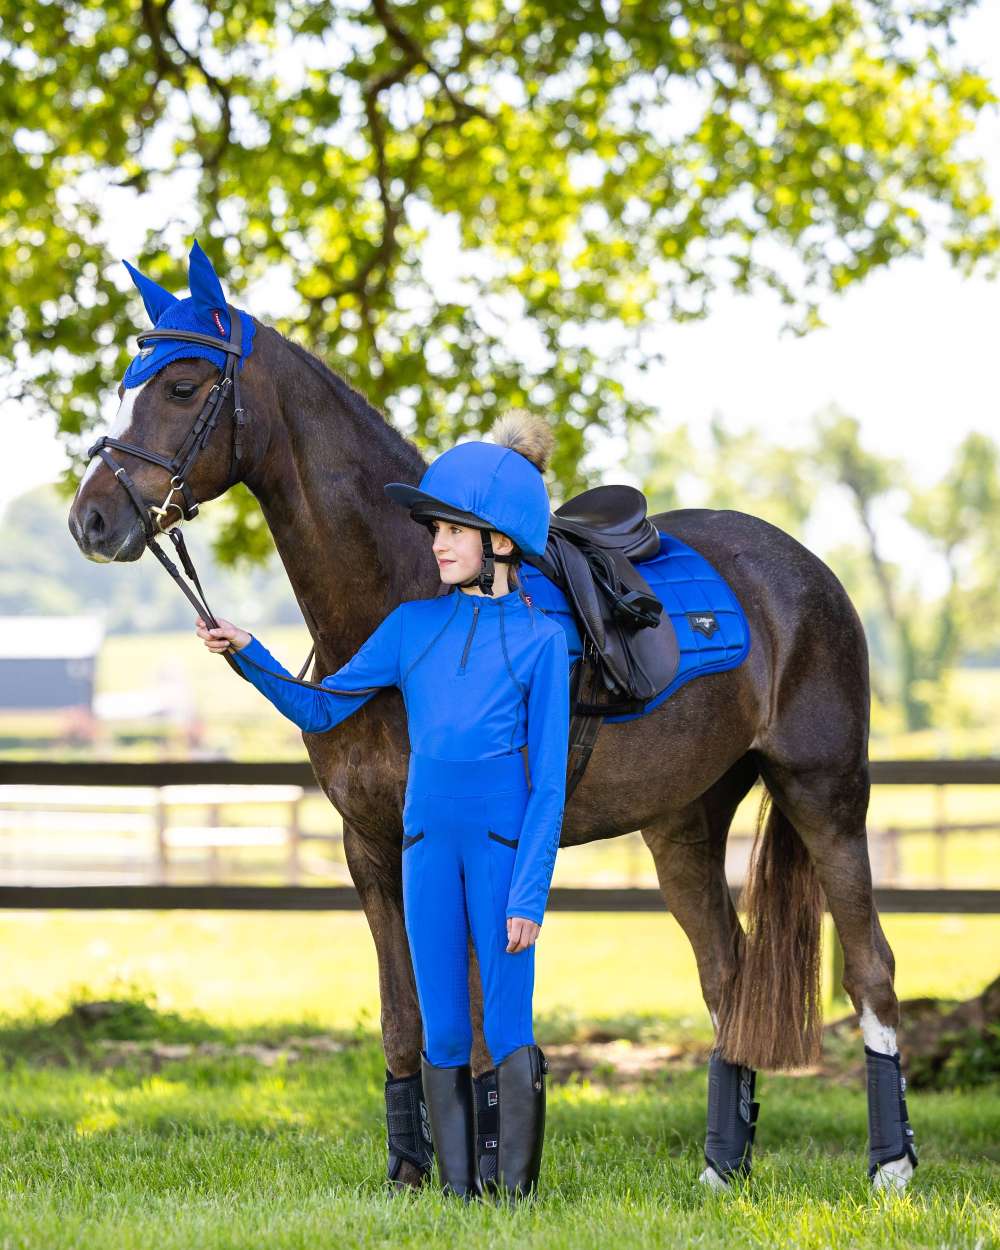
{"points": [[468, 641]]}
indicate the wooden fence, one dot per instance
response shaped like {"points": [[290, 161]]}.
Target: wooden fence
{"points": [[298, 777]]}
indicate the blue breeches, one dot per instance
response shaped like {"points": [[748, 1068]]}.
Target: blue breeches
{"points": [[461, 822]]}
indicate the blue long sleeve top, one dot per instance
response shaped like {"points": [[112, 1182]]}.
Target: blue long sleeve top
{"points": [[480, 676]]}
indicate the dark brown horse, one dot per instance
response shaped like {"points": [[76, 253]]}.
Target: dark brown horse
{"points": [[794, 714]]}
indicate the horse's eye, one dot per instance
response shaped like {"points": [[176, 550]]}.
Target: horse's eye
{"points": [[183, 390]]}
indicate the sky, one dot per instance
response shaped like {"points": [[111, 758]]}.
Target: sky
{"points": [[911, 351]]}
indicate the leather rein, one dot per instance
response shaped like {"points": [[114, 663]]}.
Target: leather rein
{"points": [[157, 521]]}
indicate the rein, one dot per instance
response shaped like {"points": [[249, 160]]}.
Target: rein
{"points": [[156, 520]]}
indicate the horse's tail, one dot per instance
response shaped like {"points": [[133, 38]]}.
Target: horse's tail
{"points": [[771, 1013]]}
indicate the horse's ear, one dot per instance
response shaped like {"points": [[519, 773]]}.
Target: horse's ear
{"points": [[156, 299], [206, 289]]}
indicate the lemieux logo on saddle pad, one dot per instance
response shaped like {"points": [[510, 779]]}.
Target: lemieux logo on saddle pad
{"points": [[702, 622]]}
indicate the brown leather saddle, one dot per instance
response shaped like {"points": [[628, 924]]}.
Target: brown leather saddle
{"points": [[630, 650]]}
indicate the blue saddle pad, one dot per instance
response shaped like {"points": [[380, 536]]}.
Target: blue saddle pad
{"points": [[712, 630]]}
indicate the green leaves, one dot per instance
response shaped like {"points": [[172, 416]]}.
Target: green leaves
{"points": [[602, 166]]}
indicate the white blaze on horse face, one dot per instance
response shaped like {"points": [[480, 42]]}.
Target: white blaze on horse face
{"points": [[119, 427]]}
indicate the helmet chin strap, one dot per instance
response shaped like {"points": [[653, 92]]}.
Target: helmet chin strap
{"points": [[487, 570], [484, 578]]}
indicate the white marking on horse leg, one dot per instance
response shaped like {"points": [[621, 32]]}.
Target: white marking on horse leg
{"points": [[895, 1176], [711, 1179], [878, 1036]]}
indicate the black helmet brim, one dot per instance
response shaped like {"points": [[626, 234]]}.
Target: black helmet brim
{"points": [[422, 506]]}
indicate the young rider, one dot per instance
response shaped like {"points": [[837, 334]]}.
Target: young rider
{"points": [[483, 674]]}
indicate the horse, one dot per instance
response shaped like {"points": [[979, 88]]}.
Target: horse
{"points": [[794, 715]]}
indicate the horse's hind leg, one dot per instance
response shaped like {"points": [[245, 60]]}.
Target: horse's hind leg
{"points": [[828, 811], [689, 851]]}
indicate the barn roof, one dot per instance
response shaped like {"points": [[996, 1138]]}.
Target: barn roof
{"points": [[50, 637]]}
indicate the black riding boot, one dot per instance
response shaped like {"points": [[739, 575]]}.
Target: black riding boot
{"points": [[448, 1094], [521, 1120]]}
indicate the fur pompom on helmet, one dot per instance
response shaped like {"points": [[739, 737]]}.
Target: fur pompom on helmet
{"points": [[527, 433]]}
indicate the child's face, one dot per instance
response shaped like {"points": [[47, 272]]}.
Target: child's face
{"points": [[458, 549]]}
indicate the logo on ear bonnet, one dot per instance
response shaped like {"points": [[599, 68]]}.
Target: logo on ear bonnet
{"points": [[218, 322]]}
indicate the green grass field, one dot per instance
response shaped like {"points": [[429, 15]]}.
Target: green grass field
{"points": [[222, 1155], [222, 1152]]}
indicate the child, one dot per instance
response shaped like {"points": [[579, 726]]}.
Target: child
{"points": [[483, 673]]}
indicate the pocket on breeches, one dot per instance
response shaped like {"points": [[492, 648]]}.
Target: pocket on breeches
{"points": [[504, 817]]}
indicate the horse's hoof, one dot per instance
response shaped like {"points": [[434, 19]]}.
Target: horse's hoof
{"points": [[893, 1178], [711, 1179], [406, 1176]]}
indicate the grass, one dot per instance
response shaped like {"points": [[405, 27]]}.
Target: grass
{"points": [[222, 1153]]}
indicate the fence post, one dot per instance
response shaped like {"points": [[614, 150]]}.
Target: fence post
{"points": [[941, 834], [162, 853], [892, 857], [837, 994], [295, 842]]}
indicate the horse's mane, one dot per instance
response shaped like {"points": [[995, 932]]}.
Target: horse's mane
{"points": [[357, 405]]}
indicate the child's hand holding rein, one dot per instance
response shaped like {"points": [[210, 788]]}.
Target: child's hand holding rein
{"points": [[521, 934], [219, 640]]}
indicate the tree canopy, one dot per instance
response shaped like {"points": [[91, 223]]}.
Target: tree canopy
{"points": [[602, 166]]}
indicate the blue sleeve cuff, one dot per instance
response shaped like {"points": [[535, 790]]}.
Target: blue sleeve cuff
{"points": [[254, 650], [524, 913]]}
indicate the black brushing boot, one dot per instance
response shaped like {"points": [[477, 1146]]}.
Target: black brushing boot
{"points": [[890, 1136], [448, 1092], [521, 1121], [732, 1118], [409, 1132]]}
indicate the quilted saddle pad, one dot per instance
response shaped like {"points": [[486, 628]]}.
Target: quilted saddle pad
{"points": [[711, 627]]}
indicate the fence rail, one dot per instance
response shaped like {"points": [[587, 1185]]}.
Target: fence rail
{"points": [[975, 772], [292, 896], [344, 898]]}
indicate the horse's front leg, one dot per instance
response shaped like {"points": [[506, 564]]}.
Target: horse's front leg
{"points": [[376, 869]]}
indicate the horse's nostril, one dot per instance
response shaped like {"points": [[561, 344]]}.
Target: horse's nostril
{"points": [[93, 524]]}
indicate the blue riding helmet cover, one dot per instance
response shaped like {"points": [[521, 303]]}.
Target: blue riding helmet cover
{"points": [[204, 311], [492, 482]]}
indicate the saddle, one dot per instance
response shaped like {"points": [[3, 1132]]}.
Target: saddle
{"points": [[630, 650], [594, 541]]}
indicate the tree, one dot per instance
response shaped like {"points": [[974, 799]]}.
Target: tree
{"points": [[602, 165], [958, 520], [739, 470]]}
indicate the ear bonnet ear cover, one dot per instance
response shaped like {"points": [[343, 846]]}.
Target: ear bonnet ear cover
{"points": [[205, 312]]}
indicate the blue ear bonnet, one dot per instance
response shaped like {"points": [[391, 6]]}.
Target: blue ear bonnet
{"points": [[204, 312]]}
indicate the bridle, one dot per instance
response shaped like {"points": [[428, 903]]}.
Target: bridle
{"points": [[157, 521], [182, 462]]}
